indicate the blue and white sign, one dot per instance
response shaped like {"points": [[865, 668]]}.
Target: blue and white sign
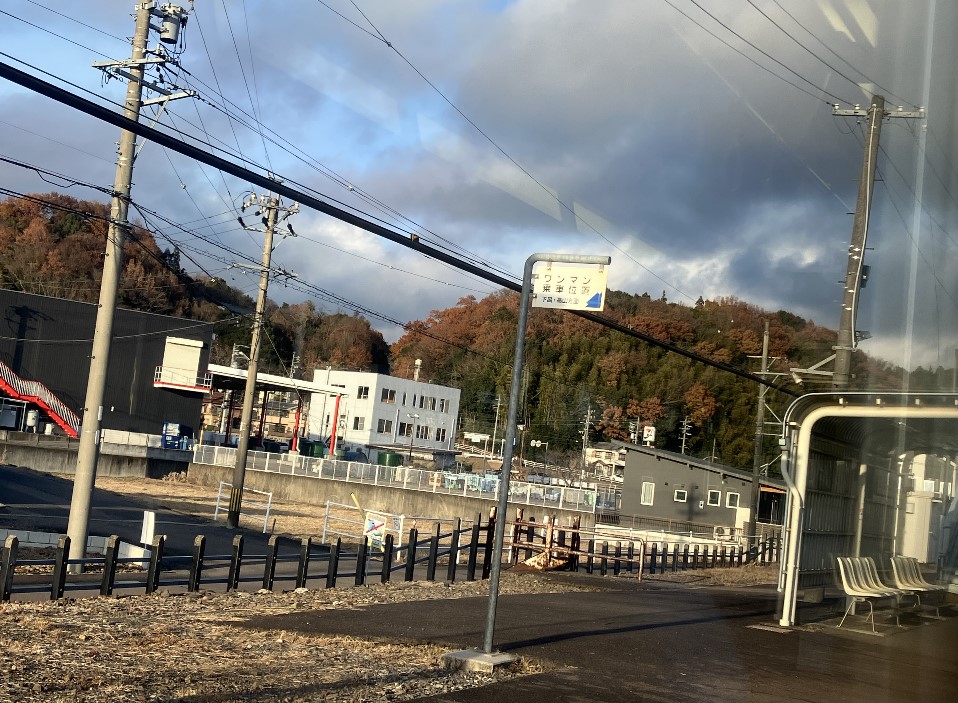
{"points": [[569, 286]]}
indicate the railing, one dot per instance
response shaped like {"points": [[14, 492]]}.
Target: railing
{"points": [[36, 392], [483, 487], [222, 500], [186, 379]]}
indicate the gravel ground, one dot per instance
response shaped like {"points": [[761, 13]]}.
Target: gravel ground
{"points": [[193, 648]]}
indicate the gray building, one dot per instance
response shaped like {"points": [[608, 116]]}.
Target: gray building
{"points": [[668, 489]]}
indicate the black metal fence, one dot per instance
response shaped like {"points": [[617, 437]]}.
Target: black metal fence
{"points": [[316, 565], [458, 553]]}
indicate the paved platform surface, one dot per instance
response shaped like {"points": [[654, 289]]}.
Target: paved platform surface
{"points": [[666, 642]]}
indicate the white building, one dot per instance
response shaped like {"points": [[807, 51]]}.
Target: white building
{"points": [[386, 413]]}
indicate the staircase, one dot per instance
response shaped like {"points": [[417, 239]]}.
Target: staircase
{"points": [[38, 394]]}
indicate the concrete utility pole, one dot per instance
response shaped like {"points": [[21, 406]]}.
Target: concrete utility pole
{"points": [[271, 205], [585, 432], [173, 17], [686, 426], [848, 336], [759, 456]]}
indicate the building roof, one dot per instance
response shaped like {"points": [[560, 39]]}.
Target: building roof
{"points": [[705, 464], [230, 377]]}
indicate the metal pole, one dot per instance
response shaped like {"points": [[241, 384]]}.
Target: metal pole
{"points": [[89, 447], [239, 470], [510, 430]]}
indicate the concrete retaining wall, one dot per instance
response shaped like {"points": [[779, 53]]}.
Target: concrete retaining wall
{"points": [[316, 491], [58, 455]]}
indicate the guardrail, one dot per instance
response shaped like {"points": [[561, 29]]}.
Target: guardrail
{"points": [[483, 487]]}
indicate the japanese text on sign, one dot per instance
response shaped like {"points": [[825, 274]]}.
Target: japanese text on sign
{"points": [[568, 286]]}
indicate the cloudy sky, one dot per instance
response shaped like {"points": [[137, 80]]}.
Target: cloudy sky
{"points": [[698, 150]]}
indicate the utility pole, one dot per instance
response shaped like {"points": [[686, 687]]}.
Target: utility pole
{"points": [[173, 17], [585, 432], [272, 206], [848, 336], [686, 426], [495, 426], [759, 456]]}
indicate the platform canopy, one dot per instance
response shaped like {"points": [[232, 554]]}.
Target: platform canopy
{"points": [[849, 459]]}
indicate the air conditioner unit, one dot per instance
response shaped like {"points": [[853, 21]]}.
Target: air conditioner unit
{"points": [[720, 532]]}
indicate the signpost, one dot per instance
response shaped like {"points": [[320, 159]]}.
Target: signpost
{"points": [[587, 276]]}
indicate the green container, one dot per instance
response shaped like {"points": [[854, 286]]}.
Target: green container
{"points": [[311, 449], [389, 459]]}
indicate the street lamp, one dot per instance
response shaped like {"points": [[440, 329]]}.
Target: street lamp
{"points": [[412, 433]]}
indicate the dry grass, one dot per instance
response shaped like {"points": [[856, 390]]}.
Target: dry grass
{"points": [[195, 648]]}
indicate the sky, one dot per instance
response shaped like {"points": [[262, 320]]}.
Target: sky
{"points": [[699, 151]]}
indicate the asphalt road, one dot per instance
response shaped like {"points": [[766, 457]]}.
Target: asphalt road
{"points": [[41, 502]]}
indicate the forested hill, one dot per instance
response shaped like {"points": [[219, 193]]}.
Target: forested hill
{"points": [[53, 244], [572, 363]]}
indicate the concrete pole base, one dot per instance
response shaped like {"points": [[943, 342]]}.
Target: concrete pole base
{"points": [[475, 660]]}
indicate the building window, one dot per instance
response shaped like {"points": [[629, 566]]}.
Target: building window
{"points": [[405, 429], [443, 405], [422, 401], [648, 492], [731, 500], [432, 403], [279, 428], [715, 498], [681, 495], [362, 393], [359, 423], [388, 396], [422, 432], [384, 427], [441, 434]]}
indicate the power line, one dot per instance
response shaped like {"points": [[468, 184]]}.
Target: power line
{"points": [[519, 166], [806, 49], [58, 36], [239, 60], [95, 110], [761, 51], [814, 36], [74, 19]]}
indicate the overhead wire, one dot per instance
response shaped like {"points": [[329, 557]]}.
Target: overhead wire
{"points": [[741, 53], [239, 60], [117, 119], [764, 53], [838, 56], [809, 51], [80, 22], [577, 216]]}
